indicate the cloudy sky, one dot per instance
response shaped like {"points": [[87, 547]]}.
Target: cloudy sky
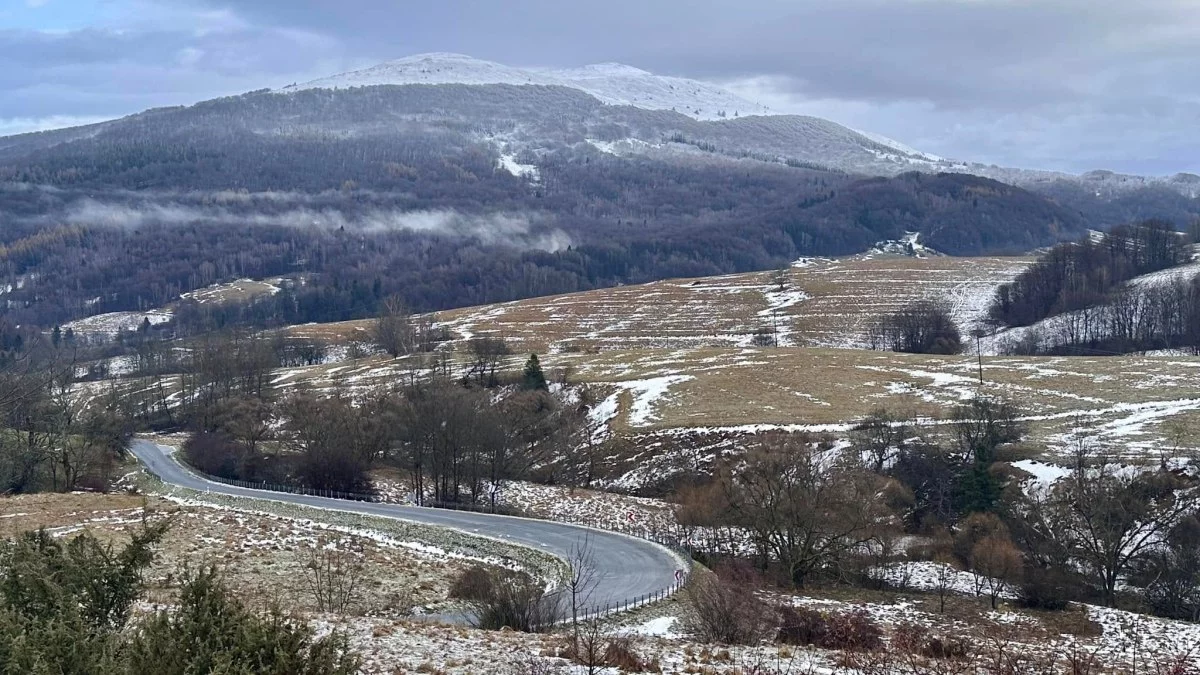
{"points": [[1059, 84]]}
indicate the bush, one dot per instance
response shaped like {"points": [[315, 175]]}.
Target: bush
{"points": [[1044, 589], [915, 639], [215, 454], [511, 600], [475, 583], [211, 631], [852, 631], [594, 649], [726, 612], [65, 608]]}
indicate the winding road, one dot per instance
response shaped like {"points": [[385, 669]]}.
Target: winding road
{"points": [[625, 568]]}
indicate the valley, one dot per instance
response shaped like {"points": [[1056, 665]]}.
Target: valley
{"points": [[449, 366]]}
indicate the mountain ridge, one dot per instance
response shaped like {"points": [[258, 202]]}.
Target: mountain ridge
{"points": [[611, 83]]}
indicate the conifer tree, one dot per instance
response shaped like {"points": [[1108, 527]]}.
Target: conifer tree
{"points": [[534, 379]]}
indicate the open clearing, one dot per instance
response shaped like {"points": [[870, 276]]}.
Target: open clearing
{"points": [[824, 302]]}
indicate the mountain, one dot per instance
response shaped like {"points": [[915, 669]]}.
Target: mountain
{"points": [[453, 181], [622, 85], [610, 83]]}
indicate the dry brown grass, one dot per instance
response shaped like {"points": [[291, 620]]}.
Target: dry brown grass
{"points": [[260, 555], [843, 296]]}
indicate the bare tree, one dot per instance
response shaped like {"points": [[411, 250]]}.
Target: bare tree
{"points": [[395, 331], [486, 354], [943, 579], [997, 563], [801, 507], [1111, 520], [333, 572], [581, 583], [923, 327], [880, 437]]}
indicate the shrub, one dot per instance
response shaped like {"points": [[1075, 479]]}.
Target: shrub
{"points": [[595, 650], [511, 600], [1043, 588], [801, 626], [222, 635], [475, 583], [916, 639], [852, 631], [726, 612]]}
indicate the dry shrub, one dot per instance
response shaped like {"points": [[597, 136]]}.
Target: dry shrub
{"points": [[503, 599], [333, 573], [1044, 588], [850, 631], [1177, 665], [475, 583], [595, 650], [726, 612], [916, 639]]}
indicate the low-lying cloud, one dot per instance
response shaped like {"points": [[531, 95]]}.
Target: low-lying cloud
{"points": [[519, 230]]}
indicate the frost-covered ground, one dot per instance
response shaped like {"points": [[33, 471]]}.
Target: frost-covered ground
{"points": [[239, 290], [605, 510], [612, 83], [1117, 641], [108, 325]]}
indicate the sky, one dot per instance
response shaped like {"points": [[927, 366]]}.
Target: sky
{"points": [[1070, 85]]}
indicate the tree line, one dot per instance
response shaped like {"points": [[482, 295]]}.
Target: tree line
{"points": [[51, 437], [1086, 273]]}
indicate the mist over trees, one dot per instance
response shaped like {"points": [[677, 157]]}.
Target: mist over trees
{"points": [[375, 192]]}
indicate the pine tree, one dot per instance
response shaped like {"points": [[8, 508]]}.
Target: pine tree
{"points": [[535, 379], [979, 490]]}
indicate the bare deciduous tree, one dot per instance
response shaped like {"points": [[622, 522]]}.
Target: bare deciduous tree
{"points": [[803, 508], [997, 563], [395, 331], [333, 571]]}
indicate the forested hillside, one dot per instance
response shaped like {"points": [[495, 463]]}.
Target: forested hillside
{"points": [[456, 195], [370, 193]]}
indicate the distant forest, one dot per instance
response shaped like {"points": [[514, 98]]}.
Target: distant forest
{"points": [[1084, 290], [587, 224], [404, 191]]}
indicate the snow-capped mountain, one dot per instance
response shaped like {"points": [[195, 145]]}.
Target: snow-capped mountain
{"points": [[611, 83]]}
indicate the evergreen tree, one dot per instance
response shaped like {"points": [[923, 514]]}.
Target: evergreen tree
{"points": [[979, 490], [534, 379]]}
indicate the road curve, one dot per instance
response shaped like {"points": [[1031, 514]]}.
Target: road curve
{"points": [[626, 568]]}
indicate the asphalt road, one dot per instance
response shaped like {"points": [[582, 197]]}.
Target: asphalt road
{"points": [[625, 568]]}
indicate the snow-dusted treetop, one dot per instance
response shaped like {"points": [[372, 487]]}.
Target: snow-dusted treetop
{"points": [[612, 83]]}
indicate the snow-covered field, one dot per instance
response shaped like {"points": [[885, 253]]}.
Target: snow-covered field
{"points": [[240, 290], [108, 325], [1113, 641]]}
